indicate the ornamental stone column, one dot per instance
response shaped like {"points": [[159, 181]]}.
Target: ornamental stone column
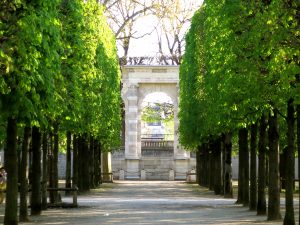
{"points": [[179, 152], [181, 157], [131, 133]]}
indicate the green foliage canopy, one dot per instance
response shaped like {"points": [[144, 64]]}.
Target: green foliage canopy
{"points": [[58, 65], [241, 60]]}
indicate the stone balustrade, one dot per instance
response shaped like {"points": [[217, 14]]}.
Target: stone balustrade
{"points": [[153, 144]]}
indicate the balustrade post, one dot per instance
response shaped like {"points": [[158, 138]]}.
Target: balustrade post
{"points": [[143, 175]]}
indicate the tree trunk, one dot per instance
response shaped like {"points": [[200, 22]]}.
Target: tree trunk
{"points": [[85, 165], [30, 163], [50, 167], [206, 166], [100, 162], [223, 163], [218, 170], [289, 218], [54, 196], [80, 162], [274, 192], [211, 168], [36, 198], [228, 193], [253, 179], [23, 217], [19, 152], [92, 162], [298, 124], [45, 170], [243, 188], [198, 164], [298, 146], [261, 186], [55, 161], [11, 167], [97, 164], [245, 185], [267, 170], [240, 196], [75, 161], [68, 162]]}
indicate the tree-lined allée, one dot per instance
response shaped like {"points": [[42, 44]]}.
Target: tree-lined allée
{"points": [[60, 80], [60, 85], [239, 83]]}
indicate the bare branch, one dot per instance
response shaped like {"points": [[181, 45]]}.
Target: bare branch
{"points": [[152, 60], [172, 16], [136, 37], [131, 17], [107, 7]]}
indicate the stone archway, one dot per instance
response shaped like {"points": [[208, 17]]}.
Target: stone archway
{"points": [[170, 89], [138, 82]]}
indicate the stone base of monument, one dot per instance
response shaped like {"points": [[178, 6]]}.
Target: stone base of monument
{"points": [[191, 176], [143, 175], [181, 168], [149, 167], [132, 169], [171, 175]]}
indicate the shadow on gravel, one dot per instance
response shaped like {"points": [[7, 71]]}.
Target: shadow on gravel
{"points": [[150, 203]]}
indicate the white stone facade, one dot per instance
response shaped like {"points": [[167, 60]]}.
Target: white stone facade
{"points": [[138, 82]]}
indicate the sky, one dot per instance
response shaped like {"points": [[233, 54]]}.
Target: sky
{"points": [[147, 45], [146, 42], [157, 97]]}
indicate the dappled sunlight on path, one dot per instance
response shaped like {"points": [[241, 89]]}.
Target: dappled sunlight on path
{"points": [[155, 202]]}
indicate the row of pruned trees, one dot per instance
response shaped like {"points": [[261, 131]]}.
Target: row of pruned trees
{"points": [[240, 78], [60, 80]]}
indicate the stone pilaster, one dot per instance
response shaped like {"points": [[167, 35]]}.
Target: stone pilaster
{"points": [[179, 152], [131, 120]]}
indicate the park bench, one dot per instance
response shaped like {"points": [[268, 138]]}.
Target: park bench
{"points": [[73, 190]]}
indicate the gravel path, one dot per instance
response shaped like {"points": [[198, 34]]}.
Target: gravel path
{"points": [[155, 202]]}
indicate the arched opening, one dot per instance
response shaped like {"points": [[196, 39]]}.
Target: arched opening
{"points": [[157, 117], [157, 133]]}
